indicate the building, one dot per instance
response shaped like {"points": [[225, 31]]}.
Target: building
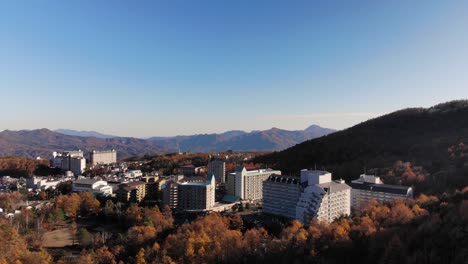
{"points": [[132, 174], [42, 183], [187, 170], [70, 161], [281, 194], [133, 192], [153, 186], [103, 157], [77, 165], [248, 185], [217, 167], [313, 195], [369, 187], [170, 194], [196, 195], [322, 198], [57, 157], [95, 186]]}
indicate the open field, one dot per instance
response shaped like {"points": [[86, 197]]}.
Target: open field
{"points": [[57, 238]]}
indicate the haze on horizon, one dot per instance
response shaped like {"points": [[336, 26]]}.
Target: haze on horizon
{"points": [[164, 68]]}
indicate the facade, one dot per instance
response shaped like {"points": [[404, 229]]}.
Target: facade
{"points": [[170, 194], [217, 167], [132, 174], [369, 187], [153, 186], [133, 192], [77, 165], [281, 194], [43, 183], [322, 198], [187, 170], [248, 185], [92, 185], [197, 195], [313, 195], [103, 157], [73, 161]]}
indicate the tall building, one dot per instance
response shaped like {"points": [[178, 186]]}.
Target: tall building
{"points": [[313, 195], [70, 161], [103, 157], [153, 186], [170, 194], [281, 194], [369, 187], [217, 167], [197, 195], [133, 192], [187, 194], [248, 185]]}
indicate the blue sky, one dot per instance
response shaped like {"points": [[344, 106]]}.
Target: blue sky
{"points": [[147, 68]]}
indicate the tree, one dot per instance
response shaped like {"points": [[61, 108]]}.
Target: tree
{"points": [[73, 231], [89, 204], [140, 257], [85, 258], [104, 256], [394, 253], [86, 238]]}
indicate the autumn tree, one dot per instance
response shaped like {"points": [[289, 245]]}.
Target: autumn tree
{"points": [[104, 256], [73, 231]]}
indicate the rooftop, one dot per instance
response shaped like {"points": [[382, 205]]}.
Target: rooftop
{"points": [[86, 181], [334, 186], [387, 188]]}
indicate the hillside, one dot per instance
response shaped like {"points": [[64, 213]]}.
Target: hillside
{"points": [[272, 139], [41, 142], [71, 132], [433, 138]]}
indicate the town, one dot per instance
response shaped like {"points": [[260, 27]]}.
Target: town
{"points": [[311, 194]]}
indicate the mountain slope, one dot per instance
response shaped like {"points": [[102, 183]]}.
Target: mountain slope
{"points": [[83, 133], [419, 135], [41, 142], [273, 139]]}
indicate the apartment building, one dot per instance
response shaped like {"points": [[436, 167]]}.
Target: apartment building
{"points": [[133, 192], [217, 167], [189, 194], [170, 194], [281, 194], [103, 157], [368, 187], [70, 161], [197, 195], [153, 186], [248, 185], [313, 195]]}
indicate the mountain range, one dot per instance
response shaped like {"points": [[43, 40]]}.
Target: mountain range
{"points": [[435, 138], [41, 142]]}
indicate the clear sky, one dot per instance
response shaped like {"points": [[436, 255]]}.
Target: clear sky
{"points": [[158, 68]]}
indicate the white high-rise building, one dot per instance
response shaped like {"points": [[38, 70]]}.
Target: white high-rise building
{"points": [[322, 198], [313, 195], [248, 185], [369, 187], [70, 161], [103, 157]]}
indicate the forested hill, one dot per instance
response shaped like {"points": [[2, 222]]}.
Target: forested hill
{"points": [[435, 138]]}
